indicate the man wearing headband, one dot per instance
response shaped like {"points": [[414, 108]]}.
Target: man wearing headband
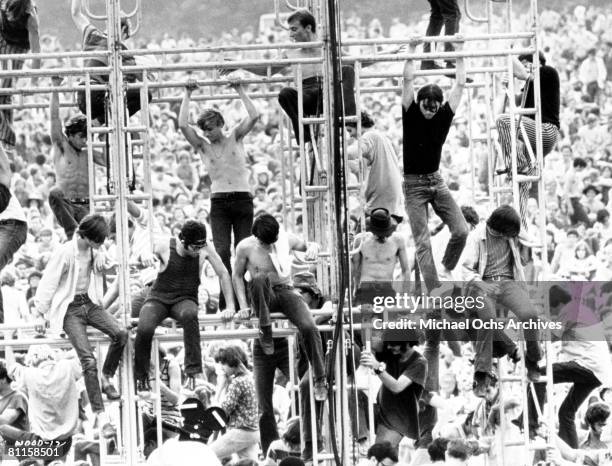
{"points": [[426, 122], [175, 294]]}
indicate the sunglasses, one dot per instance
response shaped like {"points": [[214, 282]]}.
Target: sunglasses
{"points": [[198, 246]]}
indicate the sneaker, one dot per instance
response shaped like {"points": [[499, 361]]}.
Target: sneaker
{"points": [[142, 385], [111, 392], [320, 390], [265, 340]]}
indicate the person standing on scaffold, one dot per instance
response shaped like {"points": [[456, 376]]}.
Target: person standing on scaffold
{"points": [[231, 205], [18, 35]]}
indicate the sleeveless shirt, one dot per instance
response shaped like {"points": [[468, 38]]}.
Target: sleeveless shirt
{"points": [[179, 280]]}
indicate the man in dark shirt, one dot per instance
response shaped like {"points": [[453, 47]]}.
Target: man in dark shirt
{"points": [[550, 103], [426, 122], [402, 371]]}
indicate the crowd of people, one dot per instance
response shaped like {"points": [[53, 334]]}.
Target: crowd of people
{"points": [[223, 238]]}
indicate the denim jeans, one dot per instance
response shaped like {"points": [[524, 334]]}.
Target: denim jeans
{"points": [[443, 13], [584, 382], [515, 297], [82, 313], [242, 442], [419, 192], [13, 234], [230, 212], [67, 213], [266, 299], [312, 100], [152, 314], [264, 368]]}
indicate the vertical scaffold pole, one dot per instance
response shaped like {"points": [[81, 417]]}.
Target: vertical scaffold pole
{"points": [[121, 191]]}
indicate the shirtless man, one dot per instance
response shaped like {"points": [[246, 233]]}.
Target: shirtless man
{"points": [[231, 205], [266, 255], [175, 294], [303, 28], [69, 199]]}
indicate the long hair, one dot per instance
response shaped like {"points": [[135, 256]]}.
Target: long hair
{"points": [[17, 9]]}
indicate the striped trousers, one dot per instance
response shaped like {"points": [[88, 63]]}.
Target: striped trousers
{"points": [[550, 136], [7, 135]]}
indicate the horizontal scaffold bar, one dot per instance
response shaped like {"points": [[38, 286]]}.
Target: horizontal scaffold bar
{"points": [[467, 38], [439, 55], [30, 56], [221, 64], [46, 90], [101, 70]]}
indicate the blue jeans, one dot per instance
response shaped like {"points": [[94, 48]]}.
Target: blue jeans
{"points": [[230, 212], [67, 212], [152, 314], [515, 297], [419, 191], [13, 234], [264, 368], [82, 313]]}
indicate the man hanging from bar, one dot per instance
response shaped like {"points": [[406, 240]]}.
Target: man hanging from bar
{"points": [[175, 294], [550, 102], [13, 226], [69, 297], [426, 121], [266, 255], [95, 40], [18, 35], [69, 199], [303, 29], [223, 154]]}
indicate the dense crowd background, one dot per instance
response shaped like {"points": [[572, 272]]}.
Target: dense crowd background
{"points": [[577, 42]]}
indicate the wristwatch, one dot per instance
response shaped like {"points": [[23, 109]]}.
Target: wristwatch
{"points": [[382, 367]]}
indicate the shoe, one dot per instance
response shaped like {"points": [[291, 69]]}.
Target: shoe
{"points": [[482, 381], [108, 431], [430, 65], [320, 390], [515, 356], [142, 385], [111, 392], [265, 340], [533, 371]]}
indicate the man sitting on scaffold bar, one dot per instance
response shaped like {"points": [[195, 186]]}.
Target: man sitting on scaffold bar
{"points": [[69, 295], [94, 40], [426, 122], [69, 199], [303, 29], [231, 205], [266, 255], [175, 294]]}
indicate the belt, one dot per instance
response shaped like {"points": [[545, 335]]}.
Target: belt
{"points": [[237, 195], [79, 201], [497, 278], [12, 221], [80, 299], [422, 175], [282, 286]]}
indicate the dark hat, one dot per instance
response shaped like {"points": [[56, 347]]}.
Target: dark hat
{"points": [[306, 281], [381, 223], [591, 187]]}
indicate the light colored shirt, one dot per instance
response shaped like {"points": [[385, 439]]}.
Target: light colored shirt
{"points": [[53, 396]]}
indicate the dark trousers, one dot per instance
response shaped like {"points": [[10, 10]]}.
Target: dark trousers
{"points": [[67, 213], [312, 100], [443, 13], [230, 212], [82, 313], [514, 296], [13, 234], [584, 382], [264, 369], [266, 299], [579, 214], [98, 103], [153, 312]]}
